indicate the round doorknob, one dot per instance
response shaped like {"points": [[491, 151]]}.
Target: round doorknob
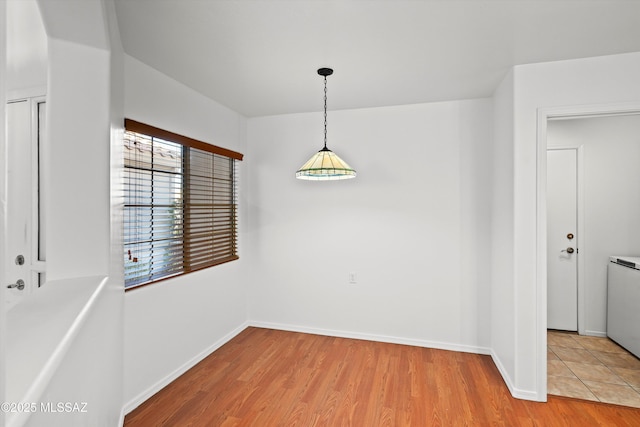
{"points": [[568, 250]]}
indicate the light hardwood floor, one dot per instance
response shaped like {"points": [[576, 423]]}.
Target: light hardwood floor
{"points": [[265, 377]]}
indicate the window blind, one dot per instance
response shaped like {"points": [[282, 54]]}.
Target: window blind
{"points": [[180, 210]]}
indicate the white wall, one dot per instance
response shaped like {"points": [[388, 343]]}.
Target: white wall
{"points": [[502, 289], [26, 53], [414, 225], [601, 80], [79, 94], [611, 203], [77, 190], [171, 325]]}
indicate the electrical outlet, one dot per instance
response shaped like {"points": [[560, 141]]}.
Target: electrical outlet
{"points": [[353, 278]]}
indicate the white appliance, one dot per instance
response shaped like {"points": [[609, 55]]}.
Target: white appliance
{"points": [[623, 302]]}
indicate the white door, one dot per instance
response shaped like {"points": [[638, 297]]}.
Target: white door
{"points": [[25, 262], [562, 250]]}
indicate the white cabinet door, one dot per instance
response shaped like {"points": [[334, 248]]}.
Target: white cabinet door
{"points": [[18, 198], [25, 264]]}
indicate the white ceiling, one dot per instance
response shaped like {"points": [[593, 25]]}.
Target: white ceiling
{"points": [[259, 57]]}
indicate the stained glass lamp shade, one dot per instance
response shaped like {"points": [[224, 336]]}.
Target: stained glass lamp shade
{"points": [[325, 165]]}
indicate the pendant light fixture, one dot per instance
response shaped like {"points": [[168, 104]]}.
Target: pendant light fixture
{"points": [[325, 165]]}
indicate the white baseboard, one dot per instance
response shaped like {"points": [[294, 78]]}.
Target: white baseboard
{"points": [[595, 333], [371, 337], [163, 382], [515, 392]]}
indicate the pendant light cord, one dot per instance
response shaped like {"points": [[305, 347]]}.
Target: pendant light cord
{"points": [[325, 112]]}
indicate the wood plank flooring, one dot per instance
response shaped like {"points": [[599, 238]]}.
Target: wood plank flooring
{"points": [[265, 377]]}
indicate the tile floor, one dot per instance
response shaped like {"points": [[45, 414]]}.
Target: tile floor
{"points": [[592, 368]]}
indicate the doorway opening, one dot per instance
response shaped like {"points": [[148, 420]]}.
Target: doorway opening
{"points": [[604, 214]]}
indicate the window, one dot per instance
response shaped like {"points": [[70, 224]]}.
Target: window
{"points": [[180, 207]]}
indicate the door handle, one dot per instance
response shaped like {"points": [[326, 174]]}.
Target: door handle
{"points": [[568, 250], [19, 284]]}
